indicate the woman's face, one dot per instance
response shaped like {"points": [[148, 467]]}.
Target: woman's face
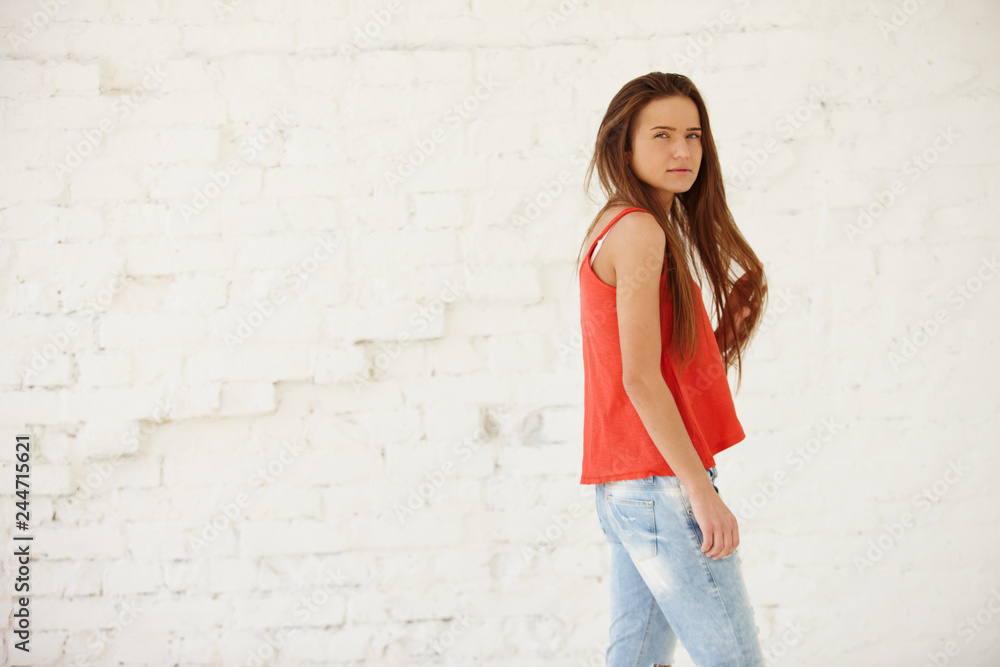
{"points": [[666, 145]]}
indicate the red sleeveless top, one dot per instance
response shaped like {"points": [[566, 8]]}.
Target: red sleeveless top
{"points": [[615, 442]]}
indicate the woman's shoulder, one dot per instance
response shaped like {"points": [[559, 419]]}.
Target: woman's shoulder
{"points": [[633, 215], [628, 240], [640, 225], [615, 209]]}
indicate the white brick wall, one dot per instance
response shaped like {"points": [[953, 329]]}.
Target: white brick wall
{"points": [[353, 225]]}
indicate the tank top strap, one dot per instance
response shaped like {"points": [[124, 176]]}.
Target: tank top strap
{"points": [[607, 227]]}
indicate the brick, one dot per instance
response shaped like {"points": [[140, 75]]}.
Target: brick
{"points": [[140, 329], [105, 368], [252, 217], [341, 364], [186, 575], [396, 322], [172, 145], [383, 425], [181, 612], [23, 150], [75, 613], [319, 605], [66, 578], [198, 108], [473, 388], [246, 398], [21, 78], [290, 503], [224, 39], [302, 182], [341, 461], [74, 78], [203, 188], [131, 578], [125, 37], [299, 537], [157, 540], [63, 541], [349, 643], [250, 361], [167, 256], [28, 185], [313, 146], [81, 112]]}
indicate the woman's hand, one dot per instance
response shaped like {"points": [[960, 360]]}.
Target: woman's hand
{"points": [[717, 523], [739, 307]]}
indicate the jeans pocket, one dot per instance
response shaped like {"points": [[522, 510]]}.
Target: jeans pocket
{"points": [[634, 525], [699, 536]]}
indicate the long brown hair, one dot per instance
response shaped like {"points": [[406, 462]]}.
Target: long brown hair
{"points": [[699, 227]]}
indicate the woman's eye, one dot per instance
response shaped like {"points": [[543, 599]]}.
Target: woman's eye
{"points": [[663, 134]]}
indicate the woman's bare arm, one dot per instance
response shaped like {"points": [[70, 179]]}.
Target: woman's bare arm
{"points": [[636, 253]]}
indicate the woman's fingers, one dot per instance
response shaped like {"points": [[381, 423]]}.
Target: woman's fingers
{"points": [[719, 527], [724, 542]]}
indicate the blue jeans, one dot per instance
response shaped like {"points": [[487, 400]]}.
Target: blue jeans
{"points": [[663, 587]]}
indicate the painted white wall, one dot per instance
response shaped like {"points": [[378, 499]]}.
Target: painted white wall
{"points": [[290, 313]]}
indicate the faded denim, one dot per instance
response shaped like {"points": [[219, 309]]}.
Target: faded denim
{"points": [[664, 588]]}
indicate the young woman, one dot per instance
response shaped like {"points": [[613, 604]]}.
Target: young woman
{"points": [[657, 402]]}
